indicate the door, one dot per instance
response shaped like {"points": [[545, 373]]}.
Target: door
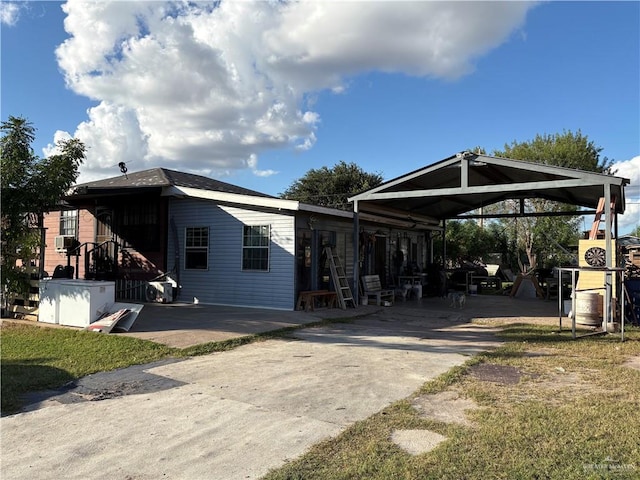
{"points": [[304, 260], [380, 260], [103, 255]]}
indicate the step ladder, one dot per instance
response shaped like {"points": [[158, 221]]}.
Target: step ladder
{"points": [[339, 279], [593, 234]]}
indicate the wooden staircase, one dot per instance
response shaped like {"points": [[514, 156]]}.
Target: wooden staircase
{"points": [[339, 279]]}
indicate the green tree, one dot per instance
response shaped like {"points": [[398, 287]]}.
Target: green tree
{"points": [[540, 238], [331, 187], [635, 232], [31, 187], [470, 242]]}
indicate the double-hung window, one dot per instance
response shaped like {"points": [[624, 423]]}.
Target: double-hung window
{"points": [[196, 255], [255, 247], [69, 222]]}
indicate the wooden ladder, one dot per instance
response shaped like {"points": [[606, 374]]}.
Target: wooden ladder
{"points": [[339, 278], [599, 212]]}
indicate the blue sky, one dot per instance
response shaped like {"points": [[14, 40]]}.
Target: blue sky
{"points": [[256, 94]]}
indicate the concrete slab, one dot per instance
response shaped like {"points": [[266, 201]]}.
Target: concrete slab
{"points": [[183, 325], [238, 414]]}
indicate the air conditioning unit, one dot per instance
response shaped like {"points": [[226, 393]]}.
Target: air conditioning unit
{"points": [[63, 242], [160, 292]]}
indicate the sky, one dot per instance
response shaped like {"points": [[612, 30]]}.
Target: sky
{"points": [[257, 93]]}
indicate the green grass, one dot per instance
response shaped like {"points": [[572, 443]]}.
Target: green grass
{"points": [[575, 414], [36, 358]]}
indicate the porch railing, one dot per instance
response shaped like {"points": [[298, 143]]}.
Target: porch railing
{"points": [[131, 290], [100, 260]]}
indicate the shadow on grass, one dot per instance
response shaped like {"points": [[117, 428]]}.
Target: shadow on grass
{"points": [[522, 332], [20, 378]]}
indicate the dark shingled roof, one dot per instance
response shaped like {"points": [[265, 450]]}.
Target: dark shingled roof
{"points": [[163, 177]]}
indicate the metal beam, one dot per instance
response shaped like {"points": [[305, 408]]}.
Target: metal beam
{"points": [[476, 190], [464, 174], [404, 215], [405, 178], [530, 214]]}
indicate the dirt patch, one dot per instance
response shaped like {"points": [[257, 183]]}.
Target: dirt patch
{"points": [[633, 362], [416, 442], [491, 372], [555, 387], [447, 407]]}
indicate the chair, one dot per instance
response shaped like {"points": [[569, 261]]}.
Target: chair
{"points": [[372, 287]]}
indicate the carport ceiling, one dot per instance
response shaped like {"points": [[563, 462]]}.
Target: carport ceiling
{"points": [[465, 182]]}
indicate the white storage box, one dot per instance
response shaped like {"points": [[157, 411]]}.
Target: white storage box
{"points": [[76, 303]]}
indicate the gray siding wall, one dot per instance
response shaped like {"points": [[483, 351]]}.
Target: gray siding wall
{"points": [[224, 282]]}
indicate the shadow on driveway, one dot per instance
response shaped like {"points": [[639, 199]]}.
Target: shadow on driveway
{"points": [[183, 325]]}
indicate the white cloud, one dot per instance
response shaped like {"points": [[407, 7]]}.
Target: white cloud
{"points": [[630, 169], [253, 164], [9, 13], [207, 87], [52, 148], [112, 135]]}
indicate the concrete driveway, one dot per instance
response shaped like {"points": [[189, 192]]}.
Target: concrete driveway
{"points": [[238, 414]]}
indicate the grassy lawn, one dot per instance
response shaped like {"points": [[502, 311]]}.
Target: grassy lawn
{"points": [[36, 358], [574, 413]]}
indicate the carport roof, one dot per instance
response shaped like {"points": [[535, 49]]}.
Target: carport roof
{"points": [[466, 181]]}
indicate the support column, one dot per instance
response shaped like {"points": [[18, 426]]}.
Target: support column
{"points": [[608, 299], [356, 253]]}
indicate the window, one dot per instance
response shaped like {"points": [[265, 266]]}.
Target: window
{"points": [[255, 247], [69, 222], [139, 225], [196, 256]]}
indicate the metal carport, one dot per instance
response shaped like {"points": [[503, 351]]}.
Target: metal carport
{"points": [[466, 181]]}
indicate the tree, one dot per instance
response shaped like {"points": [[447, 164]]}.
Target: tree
{"points": [[332, 187], [470, 243], [31, 187], [540, 238]]}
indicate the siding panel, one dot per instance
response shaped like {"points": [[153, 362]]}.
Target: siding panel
{"points": [[224, 282]]}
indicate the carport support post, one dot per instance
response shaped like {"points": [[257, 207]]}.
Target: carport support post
{"points": [[444, 245], [356, 253], [609, 257]]}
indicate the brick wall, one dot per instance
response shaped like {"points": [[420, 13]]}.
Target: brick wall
{"points": [[86, 228]]}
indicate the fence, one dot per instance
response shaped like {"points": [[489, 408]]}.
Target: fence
{"points": [[131, 290]]}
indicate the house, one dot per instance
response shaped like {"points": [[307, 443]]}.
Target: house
{"points": [[222, 244], [218, 243]]}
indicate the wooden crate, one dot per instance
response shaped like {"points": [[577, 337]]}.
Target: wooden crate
{"points": [[27, 307]]}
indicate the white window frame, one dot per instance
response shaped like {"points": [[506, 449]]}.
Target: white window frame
{"points": [[67, 218], [246, 248], [196, 248]]}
